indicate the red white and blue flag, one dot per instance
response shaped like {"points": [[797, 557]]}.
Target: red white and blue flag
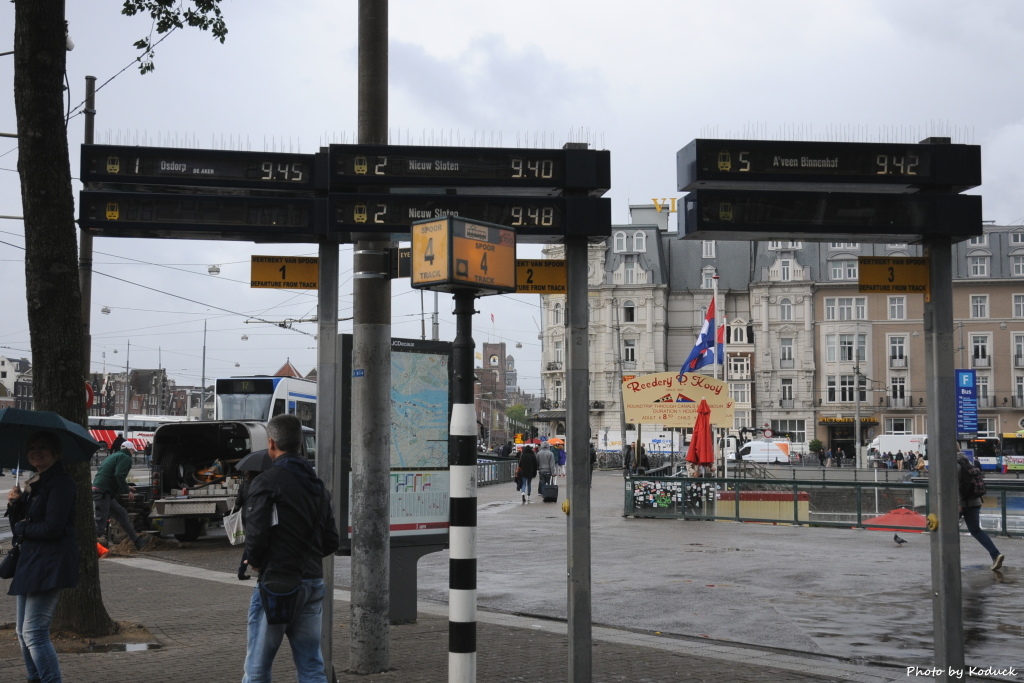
{"points": [[704, 352]]}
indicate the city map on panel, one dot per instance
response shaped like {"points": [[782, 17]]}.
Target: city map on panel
{"points": [[419, 410]]}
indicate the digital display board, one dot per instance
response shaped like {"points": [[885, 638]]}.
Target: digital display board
{"points": [[133, 214], [422, 166], [835, 166], [535, 219], [114, 165], [826, 216]]}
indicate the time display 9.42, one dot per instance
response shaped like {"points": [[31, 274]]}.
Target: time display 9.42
{"points": [[410, 165], [532, 217], [850, 166], [114, 165]]}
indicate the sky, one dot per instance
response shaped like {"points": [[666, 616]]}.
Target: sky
{"points": [[641, 79]]}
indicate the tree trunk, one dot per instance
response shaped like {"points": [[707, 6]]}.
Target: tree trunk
{"points": [[51, 269]]}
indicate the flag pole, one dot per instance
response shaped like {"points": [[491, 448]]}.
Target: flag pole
{"points": [[714, 350]]}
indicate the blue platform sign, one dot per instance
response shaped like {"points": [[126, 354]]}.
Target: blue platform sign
{"points": [[966, 404]]}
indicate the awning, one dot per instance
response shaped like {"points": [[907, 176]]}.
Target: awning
{"points": [[548, 416]]}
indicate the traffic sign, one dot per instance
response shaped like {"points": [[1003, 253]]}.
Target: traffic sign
{"points": [[836, 166], [492, 167], [453, 254], [966, 404], [114, 165], [285, 272], [540, 276], [893, 274], [830, 216]]}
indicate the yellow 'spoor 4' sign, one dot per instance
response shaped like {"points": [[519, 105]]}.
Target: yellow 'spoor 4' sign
{"points": [[285, 272]]}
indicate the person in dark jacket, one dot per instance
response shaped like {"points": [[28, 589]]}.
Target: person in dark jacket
{"points": [[289, 529], [118, 442], [527, 471], [43, 520], [110, 483], [970, 510]]}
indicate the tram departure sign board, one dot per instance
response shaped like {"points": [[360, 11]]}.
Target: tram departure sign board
{"points": [[830, 216], [535, 219], [836, 166], [123, 165], [190, 216], [451, 254], [422, 166]]}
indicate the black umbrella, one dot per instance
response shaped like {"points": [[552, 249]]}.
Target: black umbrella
{"points": [[257, 461], [16, 426]]}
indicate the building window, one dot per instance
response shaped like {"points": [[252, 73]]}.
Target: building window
{"points": [[556, 314], [842, 245], [986, 426], [739, 367], [786, 348], [844, 270], [629, 271], [628, 312], [897, 308], [846, 388], [978, 266], [739, 392], [787, 389], [1018, 265], [785, 309], [558, 391], [899, 425], [558, 352], [774, 246], [1018, 305], [897, 347], [795, 245], [845, 308], [979, 241], [639, 242], [708, 277], [898, 390], [708, 248], [830, 388], [794, 429], [979, 305], [629, 350], [1018, 350], [620, 242], [738, 335], [979, 346], [1017, 238], [740, 419], [982, 387], [1018, 391], [785, 273]]}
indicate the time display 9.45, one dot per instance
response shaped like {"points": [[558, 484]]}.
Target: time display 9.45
{"points": [[114, 165], [410, 165], [770, 164]]}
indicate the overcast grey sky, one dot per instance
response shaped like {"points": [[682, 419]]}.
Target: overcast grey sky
{"points": [[641, 79]]}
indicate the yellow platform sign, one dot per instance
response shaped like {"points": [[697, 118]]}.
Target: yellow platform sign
{"points": [[453, 254], [285, 272], [540, 276], [893, 274], [670, 400]]}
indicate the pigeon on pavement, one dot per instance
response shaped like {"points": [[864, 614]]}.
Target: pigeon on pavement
{"points": [[899, 541]]}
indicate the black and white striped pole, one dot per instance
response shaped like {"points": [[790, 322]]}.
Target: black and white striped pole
{"points": [[468, 259], [462, 510]]}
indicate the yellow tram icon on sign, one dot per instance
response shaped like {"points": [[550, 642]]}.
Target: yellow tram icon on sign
{"points": [[113, 164], [724, 161], [360, 165], [113, 211], [359, 213], [725, 211]]}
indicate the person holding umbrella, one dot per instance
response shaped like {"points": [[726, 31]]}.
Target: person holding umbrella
{"points": [[43, 522]]}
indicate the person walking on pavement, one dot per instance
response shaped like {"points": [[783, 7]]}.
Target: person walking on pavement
{"points": [[118, 442], [829, 457], [821, 457], [545, 466], [839, 456], [527, 471], [289, 529], [110, 483], [43, 518], [970, 510]]}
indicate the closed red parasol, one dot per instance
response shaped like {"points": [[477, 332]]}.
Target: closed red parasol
{"points": [[702, 445]]}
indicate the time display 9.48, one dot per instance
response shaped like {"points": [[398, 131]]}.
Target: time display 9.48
{"points": [[771, 164], [124, 165]]}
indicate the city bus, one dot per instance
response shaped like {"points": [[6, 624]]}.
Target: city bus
{"points": [[262, 397], [987, 452], [140, 428], [1013, 451]]}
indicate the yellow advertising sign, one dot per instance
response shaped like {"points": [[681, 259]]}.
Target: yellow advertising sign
{"points": [[430, 252], [540, 276], [671, 400], [285, 272], [893, 274]]}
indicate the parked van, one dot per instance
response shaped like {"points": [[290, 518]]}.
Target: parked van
{"points": [[764, 452]]}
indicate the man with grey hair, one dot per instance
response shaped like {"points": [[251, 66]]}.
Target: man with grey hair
{"points": [[289, 529]]}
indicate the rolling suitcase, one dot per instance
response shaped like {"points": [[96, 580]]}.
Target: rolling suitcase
{"points": [[549, 493]]}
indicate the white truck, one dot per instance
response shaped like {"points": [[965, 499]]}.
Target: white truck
{"points": [[773, 451], [891, 443]]}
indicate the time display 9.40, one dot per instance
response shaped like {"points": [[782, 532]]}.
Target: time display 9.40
{"points": [[198, 167], [720, 164], [410, 165]]}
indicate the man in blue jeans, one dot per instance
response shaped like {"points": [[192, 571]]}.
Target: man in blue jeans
{"points": [[289, 529]]}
